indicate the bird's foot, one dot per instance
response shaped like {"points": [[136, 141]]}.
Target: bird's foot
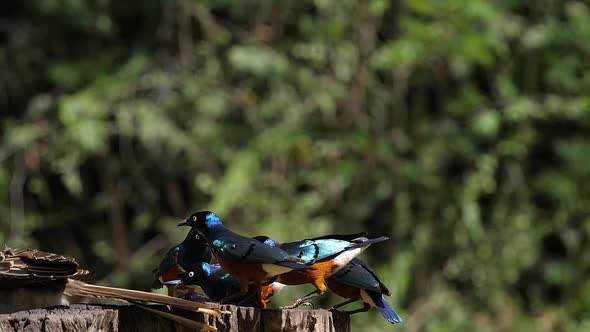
{"points": [[308, 304], [298, 303]]}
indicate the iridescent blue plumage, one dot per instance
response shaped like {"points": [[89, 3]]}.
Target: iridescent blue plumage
{"points": [[327, 254], [215, 282], [234, 247], [358, 274], [218, 284], [384, 308], [321, 248], [246, 259], [371, 290]]}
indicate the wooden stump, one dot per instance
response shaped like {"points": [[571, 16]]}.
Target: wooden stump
{"points": [[134, 318], [74, 318]]}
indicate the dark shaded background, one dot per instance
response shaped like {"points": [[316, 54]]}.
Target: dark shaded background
{"points": [[460, 129]]}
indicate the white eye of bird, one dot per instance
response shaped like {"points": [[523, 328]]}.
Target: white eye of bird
{"points": [[194, 218], [197, 236], [191, 274]]}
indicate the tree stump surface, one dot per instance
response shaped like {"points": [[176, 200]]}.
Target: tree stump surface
{"points": [[63, 318], [81, 317]]}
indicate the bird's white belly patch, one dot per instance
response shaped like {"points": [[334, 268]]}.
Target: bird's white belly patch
{"points": [[345, 257]]}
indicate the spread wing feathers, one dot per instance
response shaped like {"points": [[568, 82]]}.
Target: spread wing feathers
{"points": [[358, 274], [78, 288], [36, 265]]}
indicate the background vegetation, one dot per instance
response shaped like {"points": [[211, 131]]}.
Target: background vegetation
{"points": [[458, 128]]}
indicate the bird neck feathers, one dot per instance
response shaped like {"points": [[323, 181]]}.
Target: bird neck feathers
{"points": [[213, 221]]}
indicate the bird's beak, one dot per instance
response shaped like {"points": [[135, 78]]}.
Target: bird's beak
{"points": [[184, 223]]}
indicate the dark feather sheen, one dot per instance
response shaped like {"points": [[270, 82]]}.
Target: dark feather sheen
{"points": [[192, 249], [358, 274]]}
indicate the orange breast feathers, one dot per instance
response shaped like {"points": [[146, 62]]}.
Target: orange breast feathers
{"points": [[323, 270], [244, 272], [265, 294]]}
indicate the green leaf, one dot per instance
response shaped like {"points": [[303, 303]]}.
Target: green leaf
{"points": [[258, 60]]}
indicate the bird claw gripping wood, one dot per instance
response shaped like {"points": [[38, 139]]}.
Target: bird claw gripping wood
{"points": [[298, 304]]}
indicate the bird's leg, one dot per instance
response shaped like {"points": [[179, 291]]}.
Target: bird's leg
{"points": [[171, 289], [342, 304], [303, 300], [365, 307]]}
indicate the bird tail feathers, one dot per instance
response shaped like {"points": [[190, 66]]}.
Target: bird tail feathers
{"points": [[384, 308]]}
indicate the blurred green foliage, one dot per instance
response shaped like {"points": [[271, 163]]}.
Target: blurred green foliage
{"points": [[461, 129]]}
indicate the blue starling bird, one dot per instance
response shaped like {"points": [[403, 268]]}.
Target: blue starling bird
{"points": [[327, 254], [213, 280], [180, 258], [246, 259], [218, 284], [357, 281]]}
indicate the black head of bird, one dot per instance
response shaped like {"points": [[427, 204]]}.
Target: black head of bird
{"points": [[202, 221], [197, 275]]}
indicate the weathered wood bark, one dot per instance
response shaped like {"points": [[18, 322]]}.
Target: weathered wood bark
{"points": [[134, 318], [304, 320], [74, 318]]}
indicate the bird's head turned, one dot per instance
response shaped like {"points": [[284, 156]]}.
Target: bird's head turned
{"points": [[197, 275], [202, 220], [195, 235]]}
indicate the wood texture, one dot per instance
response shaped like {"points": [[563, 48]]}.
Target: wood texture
{"points": [[304, 320], [60, 319], [134, 318]]}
